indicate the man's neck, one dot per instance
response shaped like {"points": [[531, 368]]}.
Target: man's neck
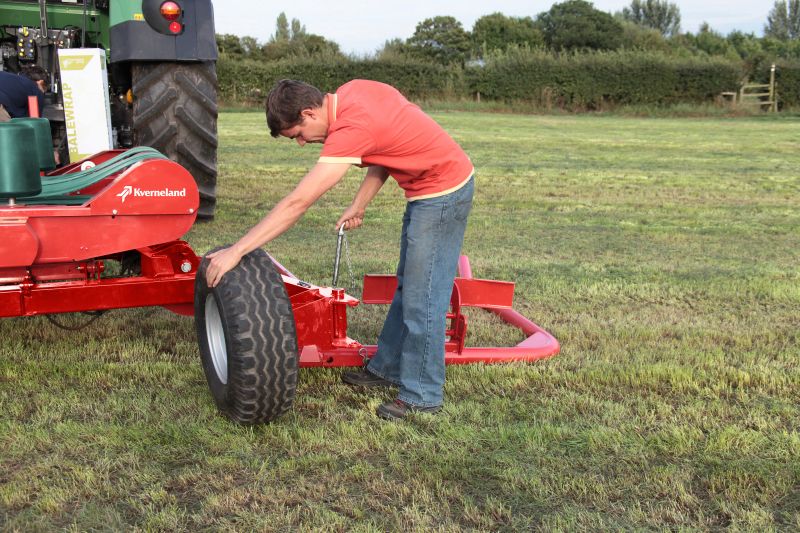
{"points": [[329, 105]]}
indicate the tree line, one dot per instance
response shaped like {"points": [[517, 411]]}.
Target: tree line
{"points": [[570, 26], [571, 56]]}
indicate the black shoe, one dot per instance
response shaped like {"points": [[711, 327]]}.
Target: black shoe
{"points": [[365, 378], [398, 409]]}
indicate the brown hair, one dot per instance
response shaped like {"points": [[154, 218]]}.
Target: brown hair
{"points": [[285, 102], [36, 73]]}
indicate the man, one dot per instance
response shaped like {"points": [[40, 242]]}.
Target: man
{"points": [[372, 125], [15, 90]]}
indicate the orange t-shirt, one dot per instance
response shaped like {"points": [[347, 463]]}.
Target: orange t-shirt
{"points": [[371, 123]]}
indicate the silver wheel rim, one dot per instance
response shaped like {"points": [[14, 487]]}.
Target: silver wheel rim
{"points": [[216, 339]]}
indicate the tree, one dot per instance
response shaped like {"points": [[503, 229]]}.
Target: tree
{"points": [[636, 37], [250, 45], [497, 32], [292, 40], [317, 45], [440, 39], [577, 25], [713, 43], [392, 49], [751, 49], [282, 29], [783, 22], [298, 30], [229, 46], [660, 15]]}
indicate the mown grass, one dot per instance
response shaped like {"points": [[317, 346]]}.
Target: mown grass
{"points": [[717, 109], [663, 254]]}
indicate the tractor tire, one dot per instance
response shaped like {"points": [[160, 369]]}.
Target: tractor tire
{"points": [[175, 112], [248, 341]]}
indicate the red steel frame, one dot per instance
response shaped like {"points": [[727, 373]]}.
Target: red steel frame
{"points": [[52, 260]]}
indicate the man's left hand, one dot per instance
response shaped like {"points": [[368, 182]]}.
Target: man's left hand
{"points": [[352, 218]]}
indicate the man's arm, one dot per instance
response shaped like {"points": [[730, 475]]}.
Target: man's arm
{"points": [[283, 216], [353, 216]]}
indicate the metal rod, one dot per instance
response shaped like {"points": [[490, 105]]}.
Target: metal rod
{"points": [[43, 41], [339, 240], [43, 18], [83, 30]]}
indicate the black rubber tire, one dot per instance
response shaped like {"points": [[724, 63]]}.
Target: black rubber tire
{"points": [[260, 339], [175, 112]]}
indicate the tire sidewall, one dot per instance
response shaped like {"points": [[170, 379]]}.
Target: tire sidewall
{"points": [[219, 390]]}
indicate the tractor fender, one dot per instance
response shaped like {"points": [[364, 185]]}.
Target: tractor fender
{"points": [[149, 40]]}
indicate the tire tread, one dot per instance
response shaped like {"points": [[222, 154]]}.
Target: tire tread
{"points": [[262, 339], [175, 111]]}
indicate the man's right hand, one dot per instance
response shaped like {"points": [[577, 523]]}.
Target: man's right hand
{"points": [[220, 262]]}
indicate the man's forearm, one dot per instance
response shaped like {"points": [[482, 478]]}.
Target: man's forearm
{"points": [[372, 183], [282, 217], [289, 210]]}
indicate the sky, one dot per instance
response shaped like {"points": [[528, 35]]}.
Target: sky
{"points": [[362, 26]]}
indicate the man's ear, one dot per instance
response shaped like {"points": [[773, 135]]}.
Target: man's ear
{"points": [[41, 85], [308, 112]]}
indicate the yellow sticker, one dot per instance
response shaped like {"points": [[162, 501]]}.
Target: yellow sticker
{"points": [[74, 63], [138, 16]]}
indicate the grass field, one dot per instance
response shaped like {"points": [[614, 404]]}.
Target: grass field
{"points": [[664, 254]]}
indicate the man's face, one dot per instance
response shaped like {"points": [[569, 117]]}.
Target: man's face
{"points": [[313, 128]]}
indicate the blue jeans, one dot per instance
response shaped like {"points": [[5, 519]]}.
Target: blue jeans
{"points": [[411, 345]]}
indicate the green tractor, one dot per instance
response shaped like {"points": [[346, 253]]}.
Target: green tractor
{"points": [[161, 58]]}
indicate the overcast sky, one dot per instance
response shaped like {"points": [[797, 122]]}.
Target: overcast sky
{"points": [[361, 26]]}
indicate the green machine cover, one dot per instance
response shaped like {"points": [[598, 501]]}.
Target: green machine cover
{"points": [[19, 161], [44, 143]]}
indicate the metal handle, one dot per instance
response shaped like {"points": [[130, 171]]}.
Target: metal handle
{"points": [[339, 240]]}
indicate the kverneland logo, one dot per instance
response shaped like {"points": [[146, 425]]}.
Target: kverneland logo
{"points": [[160, 193]]}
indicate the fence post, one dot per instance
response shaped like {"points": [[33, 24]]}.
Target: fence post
{"points": [[773, 96]]}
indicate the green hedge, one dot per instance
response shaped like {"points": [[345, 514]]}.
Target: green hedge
{"points": [[788, 82], [591, 81], [250, 80], [577, 81]]}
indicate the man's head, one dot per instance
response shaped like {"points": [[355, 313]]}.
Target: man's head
{"points": [[295, 110], [38, 75]]}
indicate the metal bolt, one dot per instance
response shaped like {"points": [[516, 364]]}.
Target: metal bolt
{"points": [[113, 211], [186, 267], [191, 211]]}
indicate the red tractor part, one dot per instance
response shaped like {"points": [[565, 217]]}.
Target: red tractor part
{"points": [[255, 329], [53, 257]]}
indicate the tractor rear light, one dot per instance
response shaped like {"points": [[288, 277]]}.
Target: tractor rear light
{"points": [[170, 11], [164, 16]]}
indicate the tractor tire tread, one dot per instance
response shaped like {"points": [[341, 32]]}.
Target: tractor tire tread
{"points": [[175, 111]]}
